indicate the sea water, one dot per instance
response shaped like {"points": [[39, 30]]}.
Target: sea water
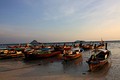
{"points": [[56, 69]]}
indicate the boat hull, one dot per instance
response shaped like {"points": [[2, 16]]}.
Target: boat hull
{"points": [[96, 64], [72, 56], [39, 56]]}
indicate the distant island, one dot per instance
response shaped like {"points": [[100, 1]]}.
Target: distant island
{"points": [[76, 41]]}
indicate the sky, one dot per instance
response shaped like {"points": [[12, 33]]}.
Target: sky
{"points": [[22, 21]]}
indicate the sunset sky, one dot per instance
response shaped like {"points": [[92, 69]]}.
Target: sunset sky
{"points": [[59, 20]]}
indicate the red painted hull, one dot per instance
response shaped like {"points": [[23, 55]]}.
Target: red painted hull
{"points": [[45, 55]]}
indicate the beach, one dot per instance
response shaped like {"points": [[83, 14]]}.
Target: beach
{"points": [[57, 69]]}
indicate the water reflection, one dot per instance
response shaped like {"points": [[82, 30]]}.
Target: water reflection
{"points": [[44, 61], [73, 67], [72, 63]]}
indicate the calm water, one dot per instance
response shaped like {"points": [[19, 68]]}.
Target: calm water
{"points": [[56, 69]]}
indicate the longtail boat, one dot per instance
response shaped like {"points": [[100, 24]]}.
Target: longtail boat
{"points": [[71, 54], [11, 53], [100, 45], [99, 59], [41, 54]]}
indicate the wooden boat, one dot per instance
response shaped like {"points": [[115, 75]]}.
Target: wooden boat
{"points": [[17, 52], [45, 55], [41, 54], [87, 47], [100, 45], [4, 54], [98, 59], [11, 53], [72, 54]]}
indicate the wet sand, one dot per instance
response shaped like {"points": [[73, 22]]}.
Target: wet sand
{"points": [[56, 69]]}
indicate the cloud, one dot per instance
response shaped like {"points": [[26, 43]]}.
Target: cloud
{"points": [[74, 18]]}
